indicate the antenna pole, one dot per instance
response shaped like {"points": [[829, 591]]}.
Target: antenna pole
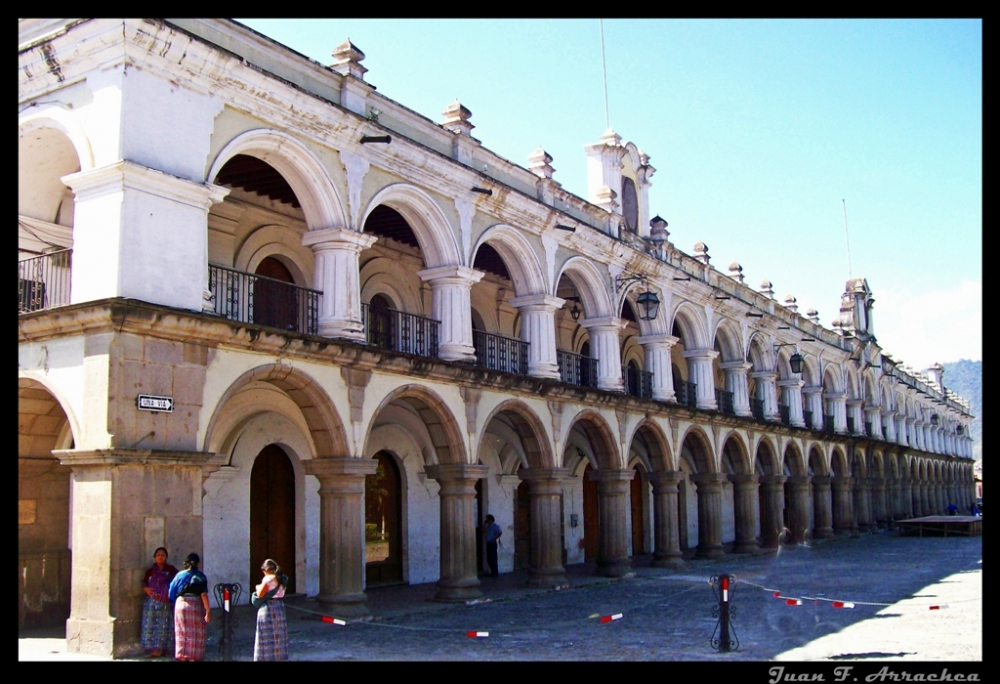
{"points": [[604, 66], [847, 236]]}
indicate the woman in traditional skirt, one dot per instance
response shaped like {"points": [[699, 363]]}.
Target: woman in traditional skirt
{"points": [[157, 613], [272, 630], [189, 591]]}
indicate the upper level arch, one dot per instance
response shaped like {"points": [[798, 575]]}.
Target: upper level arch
{"points": [[590, 285], [518, 256], [692, 325], [425, 218]]}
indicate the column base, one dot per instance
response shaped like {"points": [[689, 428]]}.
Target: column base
{"points": [[458, 592], [100, 637], [616, 568], [345, 605], [547, 579], [710, 552], [668, 561], [746, 547], [544, 370], [823, 533], [460, 353], [345, 330]]}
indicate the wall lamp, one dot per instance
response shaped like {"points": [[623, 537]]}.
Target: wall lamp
{"points": [[649, 303], [483, 191], [575, 311], [365, 139], [796, 361]]}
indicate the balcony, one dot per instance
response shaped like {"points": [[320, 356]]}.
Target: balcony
{"points": [[577, 370], [500, 353], [724, 399], [807, 416], [249, 298], [638, 383], [785, 414], [850, 425], [398, 331], [828, 424], [757, 408], [686, 393], [44, 281]]}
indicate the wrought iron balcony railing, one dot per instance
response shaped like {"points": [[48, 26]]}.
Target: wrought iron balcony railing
{"points": [[757, 408], [576, 369], [500, 353], [686, 393], [828, 423], [724, 399], [399, 331], [43, 281], [807, 416], [850, 425], [638, 383], [250, 298], [785, 413]]}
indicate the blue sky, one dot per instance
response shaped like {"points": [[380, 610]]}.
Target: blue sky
{"points": [[758, 130]]}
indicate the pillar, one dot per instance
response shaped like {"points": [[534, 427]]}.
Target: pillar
{"points": [[709, 491], [452, 306], [545, 494], [341, 532], [906, 497], [843, 508], [890, 426], [862, 510], [882, 516], [854, 411], [873, 416], [814, 403], [700, 365], [798, 508], [767, 392], [838, 407], [336, 251], [538, 329], [822, 507], [613, 497], [736, 382], [772, 523], [744, 496], [605, 345], [792, 390], [459, 581], [667, 552], [657, 354]]}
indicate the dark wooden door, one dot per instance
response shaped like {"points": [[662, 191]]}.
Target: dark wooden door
{"points": [[480, 542], [522, 527], [383, 523], [591, 519], [638, 519], [274, 303], [272, 513], [381, 323]]}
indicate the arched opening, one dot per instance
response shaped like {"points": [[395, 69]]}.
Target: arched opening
{"points": [[591, 516], [638, 508], [383, 523], [494, 319], [576, 365], [272, 512]]}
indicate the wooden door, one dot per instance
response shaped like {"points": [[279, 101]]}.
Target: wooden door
{"points": [[591, 518], [522, 527], [383, 523], [274, 303], [480, 542], [272, 513], [638, 519]]}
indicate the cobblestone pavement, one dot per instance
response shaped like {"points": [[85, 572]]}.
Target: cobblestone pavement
{"points": [[916, 599]]}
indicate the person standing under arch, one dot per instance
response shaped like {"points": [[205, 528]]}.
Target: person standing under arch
{"points": [[492, 536]]}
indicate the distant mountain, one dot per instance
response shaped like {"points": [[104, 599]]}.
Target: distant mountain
{"points": [[965, 378]]}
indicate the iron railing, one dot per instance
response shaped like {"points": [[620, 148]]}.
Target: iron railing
{"points": [[500, 353], [576, 369], [828, 423], [807, 416], [757, 408], [638, 383], [785, 413], [724, 398], [868, 429], [686, 393], [250, 298], [43, 281], [850, 425], [398, 331]]}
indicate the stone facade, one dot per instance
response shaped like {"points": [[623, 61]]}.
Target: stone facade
{"points": [[373, 331]]}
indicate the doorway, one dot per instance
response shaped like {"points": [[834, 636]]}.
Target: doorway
{"points": [[274, 302], [591, 518], [638, 520], [272, 513], [383, 523]]}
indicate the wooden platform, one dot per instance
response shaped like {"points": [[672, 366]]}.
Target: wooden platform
{"points": [[941, 526]]}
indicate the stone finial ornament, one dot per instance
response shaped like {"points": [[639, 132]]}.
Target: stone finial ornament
{"points": [[791, 303], [540, 163], [701, 252], [736, 271], [767, 289], [347, 60], [813, 315], [456, 118]]}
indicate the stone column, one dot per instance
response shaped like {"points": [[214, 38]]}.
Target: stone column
{"points": [[772, 523], [798, 507], [838, 405], [906, 497], [459, 581], [538, 329], [873, 415], [736, 382], [117, 522], [665, 519], [881, 513], [767, 392], [792, 390], [862, 510], [744, 495], [545, 493], [613, 496], [822, 506], [605, 344], [854, 411], [700, 365], [920, 499], [452, 306], [890, 426], [341, 532], [843, 508], [905, 431], [657, 353], [709, 491], [336, 251], [814, 403]]}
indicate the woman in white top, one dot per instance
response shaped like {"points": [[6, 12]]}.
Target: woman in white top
{"points": [[272, 630]]}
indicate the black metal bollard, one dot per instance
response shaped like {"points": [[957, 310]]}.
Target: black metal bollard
{"points": [[226, 595], [727, 640]]}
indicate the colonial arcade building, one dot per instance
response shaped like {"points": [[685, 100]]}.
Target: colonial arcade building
{"points": [[265, 311]]}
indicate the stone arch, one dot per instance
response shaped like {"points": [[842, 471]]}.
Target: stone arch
{"points": [[728, 340], [766, 459], [655, 445], [759, 352], [382, 276], [735, 458], [445, 434], [833, 378], [300, 167], [692, 323], [590, 284], [696, 449], [528, 426], [817, 463], [29, 384], [792, 458], [630, 292], [63, 120], [598, 434], [324, 426], [852, 381], [518, 256], [425, 218], [810, 370], [268, 241]]}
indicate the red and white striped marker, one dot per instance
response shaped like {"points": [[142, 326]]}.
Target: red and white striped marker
{"points": [[943, 605], [225, 599], [725, 589], [333, 620], [477, 635], [793, 602], [610, 618], [843, 604], [777, 594]]}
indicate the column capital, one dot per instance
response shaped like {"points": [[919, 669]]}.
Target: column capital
{"points": [[744, 480], [738, 366], [331, 467], [338, 238], [607, 323], [764, 375], [612, 475], [543, 474], [457, 275], [124, 457], [708, 478], [665, 477], [456, 471], [822, 480], [773, 479], [542, 301], [793, 382], [657, 339], [707, 354], [855, 402], [812, 389]]}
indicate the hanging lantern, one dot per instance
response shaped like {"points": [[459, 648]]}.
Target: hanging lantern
{"points": [[649, 305], [796, 362]]}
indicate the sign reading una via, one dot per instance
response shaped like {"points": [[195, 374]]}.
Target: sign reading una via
{"points": [[148, 402]]}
